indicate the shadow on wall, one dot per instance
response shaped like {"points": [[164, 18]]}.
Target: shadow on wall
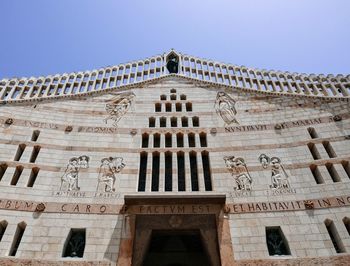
{"points": [[112, 250]]}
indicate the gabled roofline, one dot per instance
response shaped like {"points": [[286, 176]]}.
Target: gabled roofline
{"points": [[196, 68], [199, 83]]}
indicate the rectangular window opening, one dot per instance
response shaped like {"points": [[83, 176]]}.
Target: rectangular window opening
{"points": [[332, 172], [329, 149], [334, 236], [16, 175], [155, 171], [32, 177], [181, 171], [19, 152], [194, 171], [206, 171], [75, 243], [276, 241], [168, 171], [17, 238], [35, 153], [142, 171], [316, 174]]}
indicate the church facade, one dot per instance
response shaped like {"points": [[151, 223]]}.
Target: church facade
{"points": [[175, 160]]}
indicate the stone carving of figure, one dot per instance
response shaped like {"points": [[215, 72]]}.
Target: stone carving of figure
{"points": [[239, 171], [108, 170], [264, 160], [225, 107], [70, 176], [118, 106], [279, 177]]}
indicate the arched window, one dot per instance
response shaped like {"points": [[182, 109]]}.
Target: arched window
{"points": [[203, 139], [162, 121], [151, 122], [163, 97], [156, 140], [173, 97], [180, 140], [172, 91], [191, 140], [184, 121], [183, 97], [158, 107], [173, 121], [189, 107], [178, 107], [168, 107], [168, 140], [145, 139], [195, 121]]}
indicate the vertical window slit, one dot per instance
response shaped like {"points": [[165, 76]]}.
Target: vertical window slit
{"points": [[314, 152], [168, 140], [206, 171], [35, 135], [329, 149], [346, 221], [151, 122], [3, 168], [195, 121], [345, 165], [16, 175], [312, 132], [316, 174], [158, 107], [173, 122], [181, 171], [19, 152], [189, 107], [17, 238], [184, 121], [145, 139], [168, 171], [34, 154], [194, 171], [180, 140], [191, 140], [178, 107], [203, 139], [33, 176], [332, 172], [142, 171], [3, 226], [168, 107], [162, 122], [155, 171], [333, 234], [156, 140]]}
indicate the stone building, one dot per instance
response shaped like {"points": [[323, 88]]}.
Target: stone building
{"points": [[175, 160]]}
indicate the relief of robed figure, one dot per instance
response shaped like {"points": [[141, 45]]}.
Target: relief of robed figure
{"points": [[240, 173], [108, 173], [225, 108], [118, 106]]}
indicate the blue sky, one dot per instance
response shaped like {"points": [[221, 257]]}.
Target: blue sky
{"points": [[42, 37]]}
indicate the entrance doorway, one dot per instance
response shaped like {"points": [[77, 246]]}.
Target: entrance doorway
{"points": [[176, 248], [175, 240]]}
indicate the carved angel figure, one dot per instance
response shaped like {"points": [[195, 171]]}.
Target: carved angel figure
{"points": [[279, 177], [70, 177], [118, 106], [225, 107], [108, 170], [239, 171]]}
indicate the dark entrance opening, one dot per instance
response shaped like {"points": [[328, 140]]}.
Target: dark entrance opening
{"points": [[176, 248]]}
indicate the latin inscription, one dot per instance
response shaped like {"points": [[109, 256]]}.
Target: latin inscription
{"points": [[174, 209]]}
